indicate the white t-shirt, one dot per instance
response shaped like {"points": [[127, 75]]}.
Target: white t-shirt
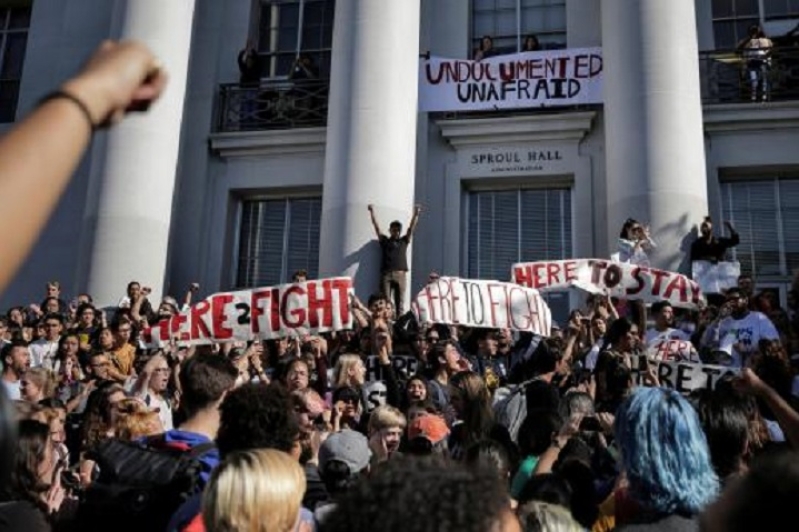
{"points": [[593, 355], [164, 409], [747, 331], [12, 389], [43, 353], [671, 344]]}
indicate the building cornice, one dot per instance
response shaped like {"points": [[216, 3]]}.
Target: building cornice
{"points": [[751, 116], [461, 132], [277, 142]]}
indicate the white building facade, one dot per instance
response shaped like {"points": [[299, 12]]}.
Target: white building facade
{"points": [[270, 180]]}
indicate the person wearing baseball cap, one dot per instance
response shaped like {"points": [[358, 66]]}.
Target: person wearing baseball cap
{"points": [[428, 435], [343, 458]]}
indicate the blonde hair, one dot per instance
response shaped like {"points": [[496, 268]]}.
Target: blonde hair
{"points": [[135, 420], [254, 491], [44, 379], [341, 372], [546, 517], [386, 417]]}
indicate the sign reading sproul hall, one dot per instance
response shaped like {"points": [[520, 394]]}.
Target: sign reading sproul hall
{"points": [[529, 79], [483, 162]]}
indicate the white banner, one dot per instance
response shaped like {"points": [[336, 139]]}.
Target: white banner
{"points": [[274, 312], [684, 377], [529, 79], [616, 279], [715, 278], [487, 304]]}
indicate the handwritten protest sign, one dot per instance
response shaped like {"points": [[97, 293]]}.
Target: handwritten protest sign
{"points": [[617, 279], [684, 377], [715, 278], [529, 79], [272, 312], [478, 303]]}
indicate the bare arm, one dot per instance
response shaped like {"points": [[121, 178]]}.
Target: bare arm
{"points": [[786, 416], [374, 220], [120, 77], [414, 221]]}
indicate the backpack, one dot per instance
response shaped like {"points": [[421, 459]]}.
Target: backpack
{"points": [[510, 407], [141, 484]]}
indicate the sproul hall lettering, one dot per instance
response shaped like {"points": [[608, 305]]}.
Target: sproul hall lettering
{"points": [[530, 79], [515, 157]]}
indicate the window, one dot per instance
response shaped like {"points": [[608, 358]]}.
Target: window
{"points": [[778, 9], [15, 20], [290, 27], [518, 225], [732, 18], [508, 22], [276, 238], [766, 215]]}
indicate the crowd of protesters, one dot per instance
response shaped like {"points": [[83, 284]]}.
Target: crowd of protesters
{"points": [[379, 423]]}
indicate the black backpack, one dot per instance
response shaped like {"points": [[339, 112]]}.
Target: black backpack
{"points": [[141, 484]]}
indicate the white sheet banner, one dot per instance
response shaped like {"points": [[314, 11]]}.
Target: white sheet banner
{"points": [[617, 279], [479, 303], [684, 377], [272, 312], [529, 79], [715, 278]]}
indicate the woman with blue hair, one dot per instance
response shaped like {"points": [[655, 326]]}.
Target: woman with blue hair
{"points": [[665, 458]]}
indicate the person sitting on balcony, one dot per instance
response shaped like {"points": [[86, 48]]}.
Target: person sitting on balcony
{"points": [[708, 247], [486, 49], [531, 44], [304, 68], [757, 53]]}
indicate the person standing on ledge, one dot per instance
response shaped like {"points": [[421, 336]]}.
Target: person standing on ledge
{"points": [[394, 262], [710, 248]]}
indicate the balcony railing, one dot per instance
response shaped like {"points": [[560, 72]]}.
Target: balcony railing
{"points": [[724, 77], [272, 104]]}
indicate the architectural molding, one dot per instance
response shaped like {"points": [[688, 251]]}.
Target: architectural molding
{"points": [[462, 132], [751, 116], [275, 142]]}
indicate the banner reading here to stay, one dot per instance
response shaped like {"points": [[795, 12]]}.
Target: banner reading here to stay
{"points": [[616, 279], [681, 376], [272, 312], [529, 79], [479, 303]]}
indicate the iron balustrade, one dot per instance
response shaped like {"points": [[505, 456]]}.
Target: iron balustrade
{"points": [[272, 104], [724, 76]]}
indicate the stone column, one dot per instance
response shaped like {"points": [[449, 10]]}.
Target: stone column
{"points": [[140, 165], [654, 141], [371, 134]]}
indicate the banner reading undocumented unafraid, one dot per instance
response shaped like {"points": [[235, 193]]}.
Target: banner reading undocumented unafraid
{"points": [[616, 279], [266, 313], [479, 303], [528, 79]]}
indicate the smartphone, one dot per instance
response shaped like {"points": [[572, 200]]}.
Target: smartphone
{"points": [[590, 424]]}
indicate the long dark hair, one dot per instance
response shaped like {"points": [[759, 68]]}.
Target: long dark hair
{"points": [[25, 484]]}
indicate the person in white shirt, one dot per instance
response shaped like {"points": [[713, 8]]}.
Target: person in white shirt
{"points": [[740, 332], [599, 328], [44, 350], [634, 243], [663, 341], [152, 385], [16, 361]]}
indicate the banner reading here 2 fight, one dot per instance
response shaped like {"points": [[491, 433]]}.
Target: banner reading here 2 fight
{"points": [[478, 303], [528, 79], [272, 312], [617, 279]]}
